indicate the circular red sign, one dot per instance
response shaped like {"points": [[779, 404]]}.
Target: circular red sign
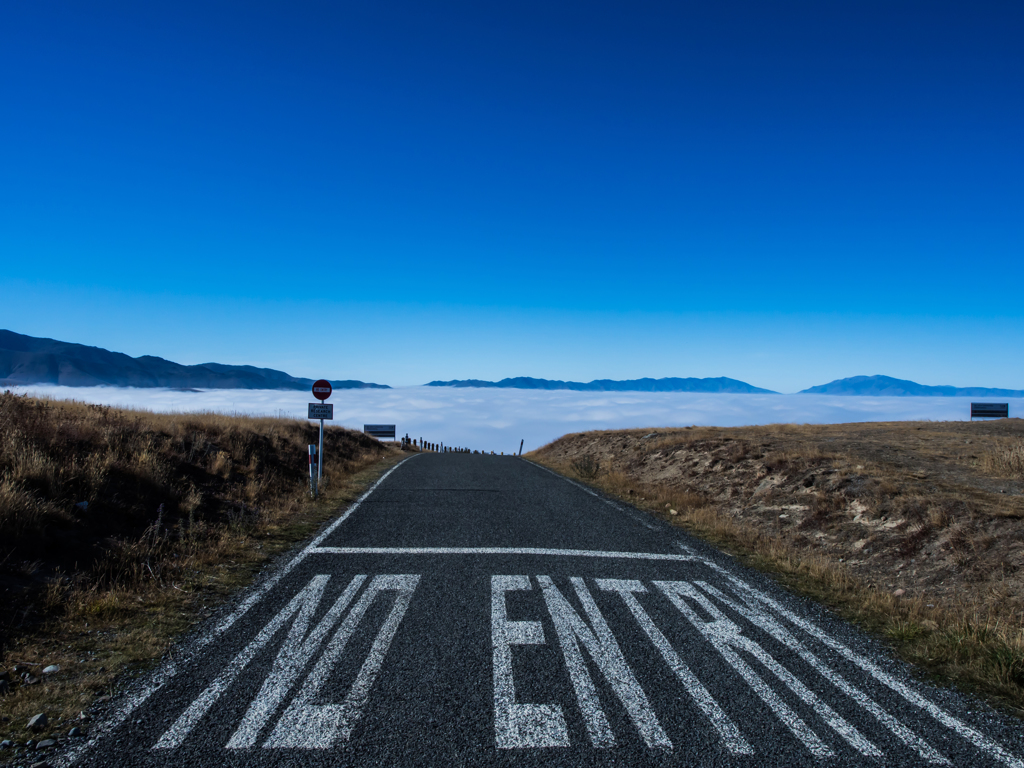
{"points": [[321, 389]]}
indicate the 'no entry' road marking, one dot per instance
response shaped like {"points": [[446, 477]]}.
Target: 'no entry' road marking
{"points": [[773, 653], [727, 614]]}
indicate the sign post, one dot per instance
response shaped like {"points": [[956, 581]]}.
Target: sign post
{"points": [[312, 474], [321, 391]]}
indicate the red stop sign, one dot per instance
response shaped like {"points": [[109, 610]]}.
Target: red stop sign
{"points": [[321, 389]]}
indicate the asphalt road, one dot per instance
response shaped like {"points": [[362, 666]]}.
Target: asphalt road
{"points": [[480, 610]]}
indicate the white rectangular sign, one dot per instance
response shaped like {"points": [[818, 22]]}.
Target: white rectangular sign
{"points": [[321, 411]]}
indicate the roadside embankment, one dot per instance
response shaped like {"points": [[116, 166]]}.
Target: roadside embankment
{"points": [[914, 530], [121, 529]]}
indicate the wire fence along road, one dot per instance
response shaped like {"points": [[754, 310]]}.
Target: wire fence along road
{"points": [[479, 610]]}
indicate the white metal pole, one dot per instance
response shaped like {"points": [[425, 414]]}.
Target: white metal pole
{"points": [[312, 475], [320, 458]]}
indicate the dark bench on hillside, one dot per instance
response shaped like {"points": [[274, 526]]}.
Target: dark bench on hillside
{"points": [[990, 411], [380, 431]]}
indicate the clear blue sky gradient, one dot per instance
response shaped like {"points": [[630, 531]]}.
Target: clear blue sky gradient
{"points": [[785, 193]]}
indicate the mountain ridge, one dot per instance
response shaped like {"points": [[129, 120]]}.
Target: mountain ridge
{"points": [[26, 360], [31, 360], [887, 386], [719, 384]]}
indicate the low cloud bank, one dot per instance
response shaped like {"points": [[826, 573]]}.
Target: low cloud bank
{"points": [[497, 419]]}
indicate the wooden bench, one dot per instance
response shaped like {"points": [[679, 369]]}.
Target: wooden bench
{"points": [[990, 411], [380, 431]]}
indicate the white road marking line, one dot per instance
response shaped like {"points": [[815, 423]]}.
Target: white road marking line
{"points": [[295, 653], [718, 632], [304, 603], [965, 731], [518, 725], [627, 588], [686, 549], [307, 725], [733, 635], [605, 651], [188, 654], [645, 521], [770, 626], [671, 557]]}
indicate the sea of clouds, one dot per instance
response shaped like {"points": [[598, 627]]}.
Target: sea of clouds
{"points": [[497, 419]]}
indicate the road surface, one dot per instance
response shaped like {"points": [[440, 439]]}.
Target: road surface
{"points": [[481, 610]]}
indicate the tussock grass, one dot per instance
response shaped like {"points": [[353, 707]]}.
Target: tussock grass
{"points": [[119, 529], [1007, 461], [585, 467]]}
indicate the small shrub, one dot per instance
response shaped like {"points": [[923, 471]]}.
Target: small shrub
{"points": [[946, 512], [738, 452], [961, 541], [939, 518], [243, 519], [1008, 664], [586, 467], [22, 514], [914, 540], [685, 501], [1006, 461], [220, 464], [107, 606], [914, 508], [887, 488], [904, 630], [822, 506]]}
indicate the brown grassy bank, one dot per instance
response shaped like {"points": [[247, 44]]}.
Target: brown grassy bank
{"points": [[914, 530], [120, 529]]}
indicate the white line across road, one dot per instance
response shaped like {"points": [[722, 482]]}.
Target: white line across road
{"points": [[504, 551]]}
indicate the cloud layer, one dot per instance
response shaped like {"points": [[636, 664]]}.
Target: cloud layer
{"points": [[497, 419]]}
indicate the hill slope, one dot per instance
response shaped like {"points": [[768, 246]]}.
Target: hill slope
{"points": [[30, 360]]}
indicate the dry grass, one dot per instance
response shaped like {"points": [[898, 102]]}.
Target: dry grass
{"points": [[1006, 461], [912, 530], [179, 510]]}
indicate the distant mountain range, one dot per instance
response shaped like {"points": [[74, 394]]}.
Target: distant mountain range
{"points": [[856, 385], [28, 360], [887, 386], [720, 384]]}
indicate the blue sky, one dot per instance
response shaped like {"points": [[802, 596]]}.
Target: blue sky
{"points": [[784, 193]]}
